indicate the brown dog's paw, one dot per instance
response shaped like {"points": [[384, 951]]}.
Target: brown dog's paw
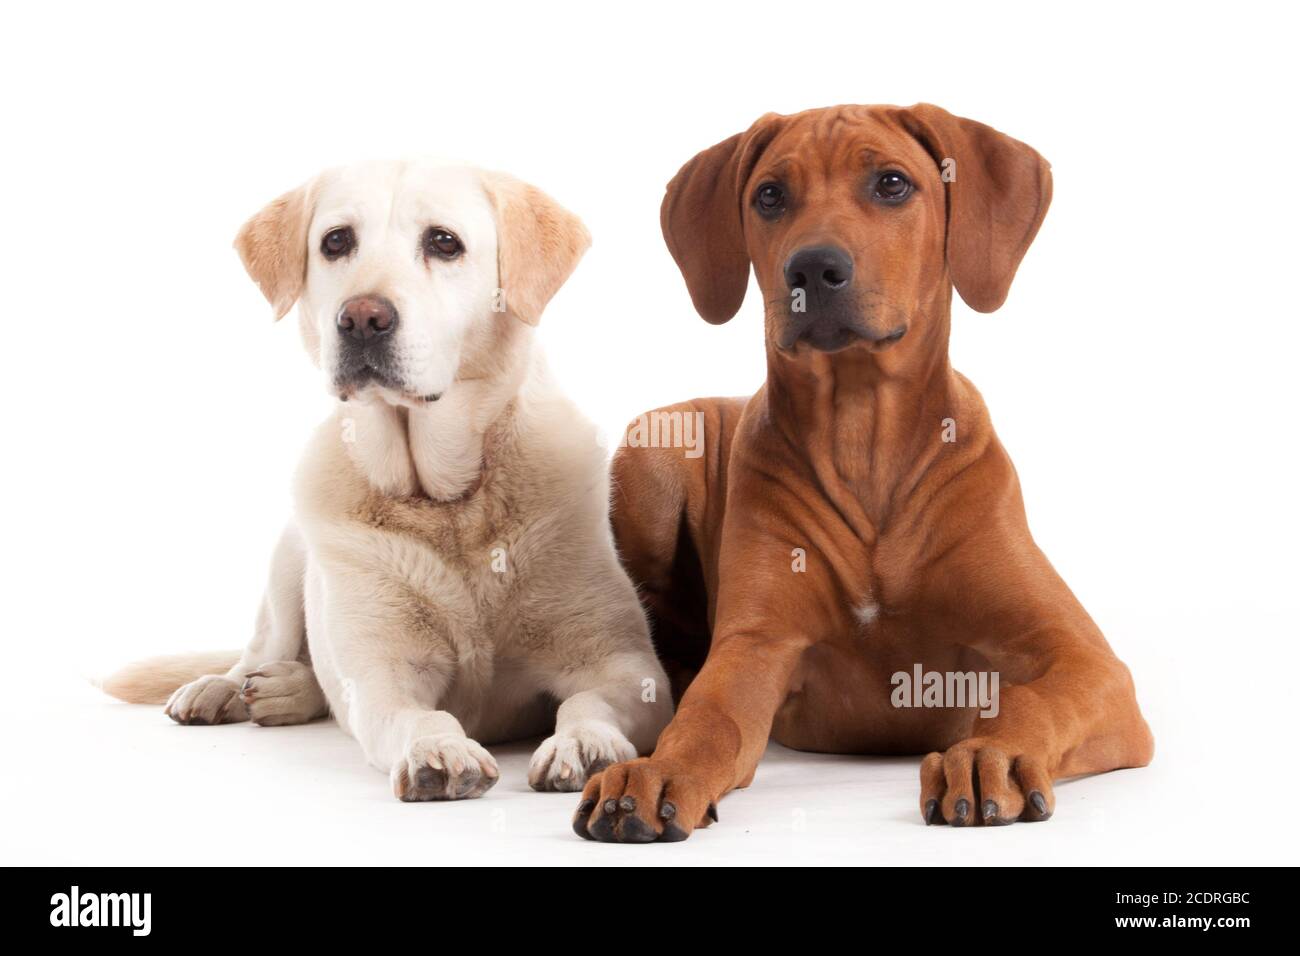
{"points": [[643, 801], [977, 783]]}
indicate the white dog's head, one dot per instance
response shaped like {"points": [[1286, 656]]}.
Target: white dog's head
{"points": [[404, 271]]}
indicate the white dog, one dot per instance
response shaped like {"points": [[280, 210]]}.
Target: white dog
{"points": [[450, 577]]}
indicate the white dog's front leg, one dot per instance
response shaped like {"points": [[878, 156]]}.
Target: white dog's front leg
{"points": [[391, 709], [613, 711], [615, 705], [426, 753]]}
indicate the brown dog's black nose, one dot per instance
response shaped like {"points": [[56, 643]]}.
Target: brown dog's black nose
{"points": [[819, 268], [366, 317]]}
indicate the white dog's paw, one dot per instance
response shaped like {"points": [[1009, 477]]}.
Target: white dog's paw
{"points": [[444, 767], [283, 692], [565, 760], [209, 700]]}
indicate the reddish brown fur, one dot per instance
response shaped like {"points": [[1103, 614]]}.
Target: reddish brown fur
{"points": [[841, 455]]}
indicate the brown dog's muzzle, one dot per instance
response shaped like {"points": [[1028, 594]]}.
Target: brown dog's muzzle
{"points": [[826, 311]]}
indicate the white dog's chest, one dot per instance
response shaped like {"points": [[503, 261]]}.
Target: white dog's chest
{"points": [[458, 573], [477, 549], [465, 636]]}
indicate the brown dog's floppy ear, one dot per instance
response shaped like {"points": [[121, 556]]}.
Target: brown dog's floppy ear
{"points": [[701, 217], [539, 244], [998, 193], [273, 247]]}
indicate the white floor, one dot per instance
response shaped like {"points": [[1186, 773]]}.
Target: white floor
{"points": [[91, 781]]}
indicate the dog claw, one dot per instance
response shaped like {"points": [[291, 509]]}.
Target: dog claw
{"points": [[673, 834], [713, 812], [610, 805], [667, 811], [636, 830], [580, 819], [628, 804], [990, 811], [602, 828], [1039, 802], [931, 811], [961, 809]]}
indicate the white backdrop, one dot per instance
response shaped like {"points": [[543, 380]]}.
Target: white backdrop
{"points": [[1141, 374]]}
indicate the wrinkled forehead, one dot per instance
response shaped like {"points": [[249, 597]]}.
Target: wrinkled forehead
{"points": [[402, 197], [840, 141]]}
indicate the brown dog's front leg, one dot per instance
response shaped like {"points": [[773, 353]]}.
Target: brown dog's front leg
{"points": [[765, 617], [712, 746], [1080, 716]]}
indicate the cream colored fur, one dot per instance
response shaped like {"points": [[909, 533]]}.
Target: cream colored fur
{"points": [[449, 579]]}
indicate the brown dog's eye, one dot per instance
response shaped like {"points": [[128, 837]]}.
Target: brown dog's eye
{"points": [[338, 242], [441, 243], [893, 187], [770, 199]]}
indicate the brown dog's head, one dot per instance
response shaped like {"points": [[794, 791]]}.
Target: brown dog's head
{"points": [[857, 220]]}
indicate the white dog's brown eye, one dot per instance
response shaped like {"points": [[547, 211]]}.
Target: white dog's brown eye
{"points": [[770, 199], [338, 242], [893, 187], [441, 243]]}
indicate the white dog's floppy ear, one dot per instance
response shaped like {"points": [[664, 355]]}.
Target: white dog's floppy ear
{"points": [[273, 246], [539, 243]]}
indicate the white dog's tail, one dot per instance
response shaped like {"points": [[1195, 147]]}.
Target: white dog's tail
{"points": [[154, 680]]}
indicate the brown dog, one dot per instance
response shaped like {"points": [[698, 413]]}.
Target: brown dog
{"points": [[858, 516]]}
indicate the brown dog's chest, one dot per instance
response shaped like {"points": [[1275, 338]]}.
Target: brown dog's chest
{"points": [[878, 545], [843, 698]]}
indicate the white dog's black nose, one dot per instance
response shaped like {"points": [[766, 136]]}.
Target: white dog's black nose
{"points": [[366, 317]]}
